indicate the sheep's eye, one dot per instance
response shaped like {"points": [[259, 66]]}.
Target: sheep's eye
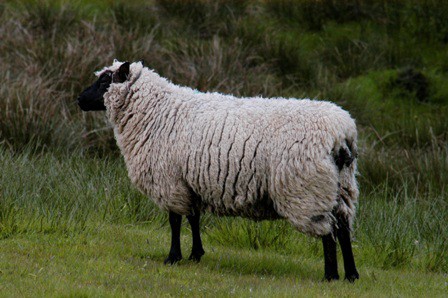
{"points": [[105, 79]]}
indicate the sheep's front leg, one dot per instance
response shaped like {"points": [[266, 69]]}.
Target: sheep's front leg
{"points": [[343, 234], [330, 256], [175, 254], [197, 250]]}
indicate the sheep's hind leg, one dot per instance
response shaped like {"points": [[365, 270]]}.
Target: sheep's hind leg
{"points": [[197, 250], [331, 262], [175, 254], [343, 234]]}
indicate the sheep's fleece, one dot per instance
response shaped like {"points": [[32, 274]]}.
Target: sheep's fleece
{"points": [[251, 157]]}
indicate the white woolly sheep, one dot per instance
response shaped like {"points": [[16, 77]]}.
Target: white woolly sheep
{"points": [[251, 157]]}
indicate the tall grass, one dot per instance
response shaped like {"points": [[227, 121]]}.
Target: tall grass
{"points": [[403, 229], [50, 49], [204, 19], [70, 193], [49, 53], [64, 192], [418, 171]]}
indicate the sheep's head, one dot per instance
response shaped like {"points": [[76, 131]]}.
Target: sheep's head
{"points": [[92, 98]]}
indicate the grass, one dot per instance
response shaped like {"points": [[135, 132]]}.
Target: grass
{"points": [[111, 260], [72, 225]]}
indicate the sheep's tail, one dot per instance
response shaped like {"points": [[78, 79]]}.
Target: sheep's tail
{"points": [[345, 158]]}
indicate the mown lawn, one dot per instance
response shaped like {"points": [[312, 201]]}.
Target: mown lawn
{"points": [[127, 260]]}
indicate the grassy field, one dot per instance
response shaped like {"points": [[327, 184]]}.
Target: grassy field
{"points": [[127, 260], [71, 224]]}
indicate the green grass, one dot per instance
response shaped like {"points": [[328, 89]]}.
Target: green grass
{"points": [[73, 225], [111, 260]]}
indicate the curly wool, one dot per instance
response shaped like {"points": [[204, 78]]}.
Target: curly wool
{"points": [[251, 157]]}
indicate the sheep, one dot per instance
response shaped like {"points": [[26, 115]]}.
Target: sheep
{"points": [[257, 158]]}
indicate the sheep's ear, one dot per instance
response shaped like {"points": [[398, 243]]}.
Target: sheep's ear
{"points": [[142, 62], [122, 73]]}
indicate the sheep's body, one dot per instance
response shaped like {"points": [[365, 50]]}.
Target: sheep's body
{"points": [[251, 157]]}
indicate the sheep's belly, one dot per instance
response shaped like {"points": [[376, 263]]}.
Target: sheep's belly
{"points": [[258, 210]]}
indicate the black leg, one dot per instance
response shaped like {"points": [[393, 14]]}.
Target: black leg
{"points": [[197, 250], [343, 233], [331, 261], [175, 252]]}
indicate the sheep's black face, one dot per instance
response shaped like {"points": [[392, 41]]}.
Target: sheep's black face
{"points": [[92, 99]]}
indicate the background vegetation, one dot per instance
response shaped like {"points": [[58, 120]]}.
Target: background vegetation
{"points": [[61, 176]]}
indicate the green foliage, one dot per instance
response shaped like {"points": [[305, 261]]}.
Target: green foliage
{"points": [[138, 19], [205, 18], [313, 15], [392, 114]]}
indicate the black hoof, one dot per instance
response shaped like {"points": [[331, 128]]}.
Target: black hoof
{"points": [[331, 277], [172, 259], [352, 276], [196, 256]]}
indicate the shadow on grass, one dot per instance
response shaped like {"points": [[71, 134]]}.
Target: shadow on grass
{"points": [[246, 262], [271, 265]]}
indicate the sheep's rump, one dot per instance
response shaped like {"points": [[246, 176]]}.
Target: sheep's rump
{"points": [[251, 157]]}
